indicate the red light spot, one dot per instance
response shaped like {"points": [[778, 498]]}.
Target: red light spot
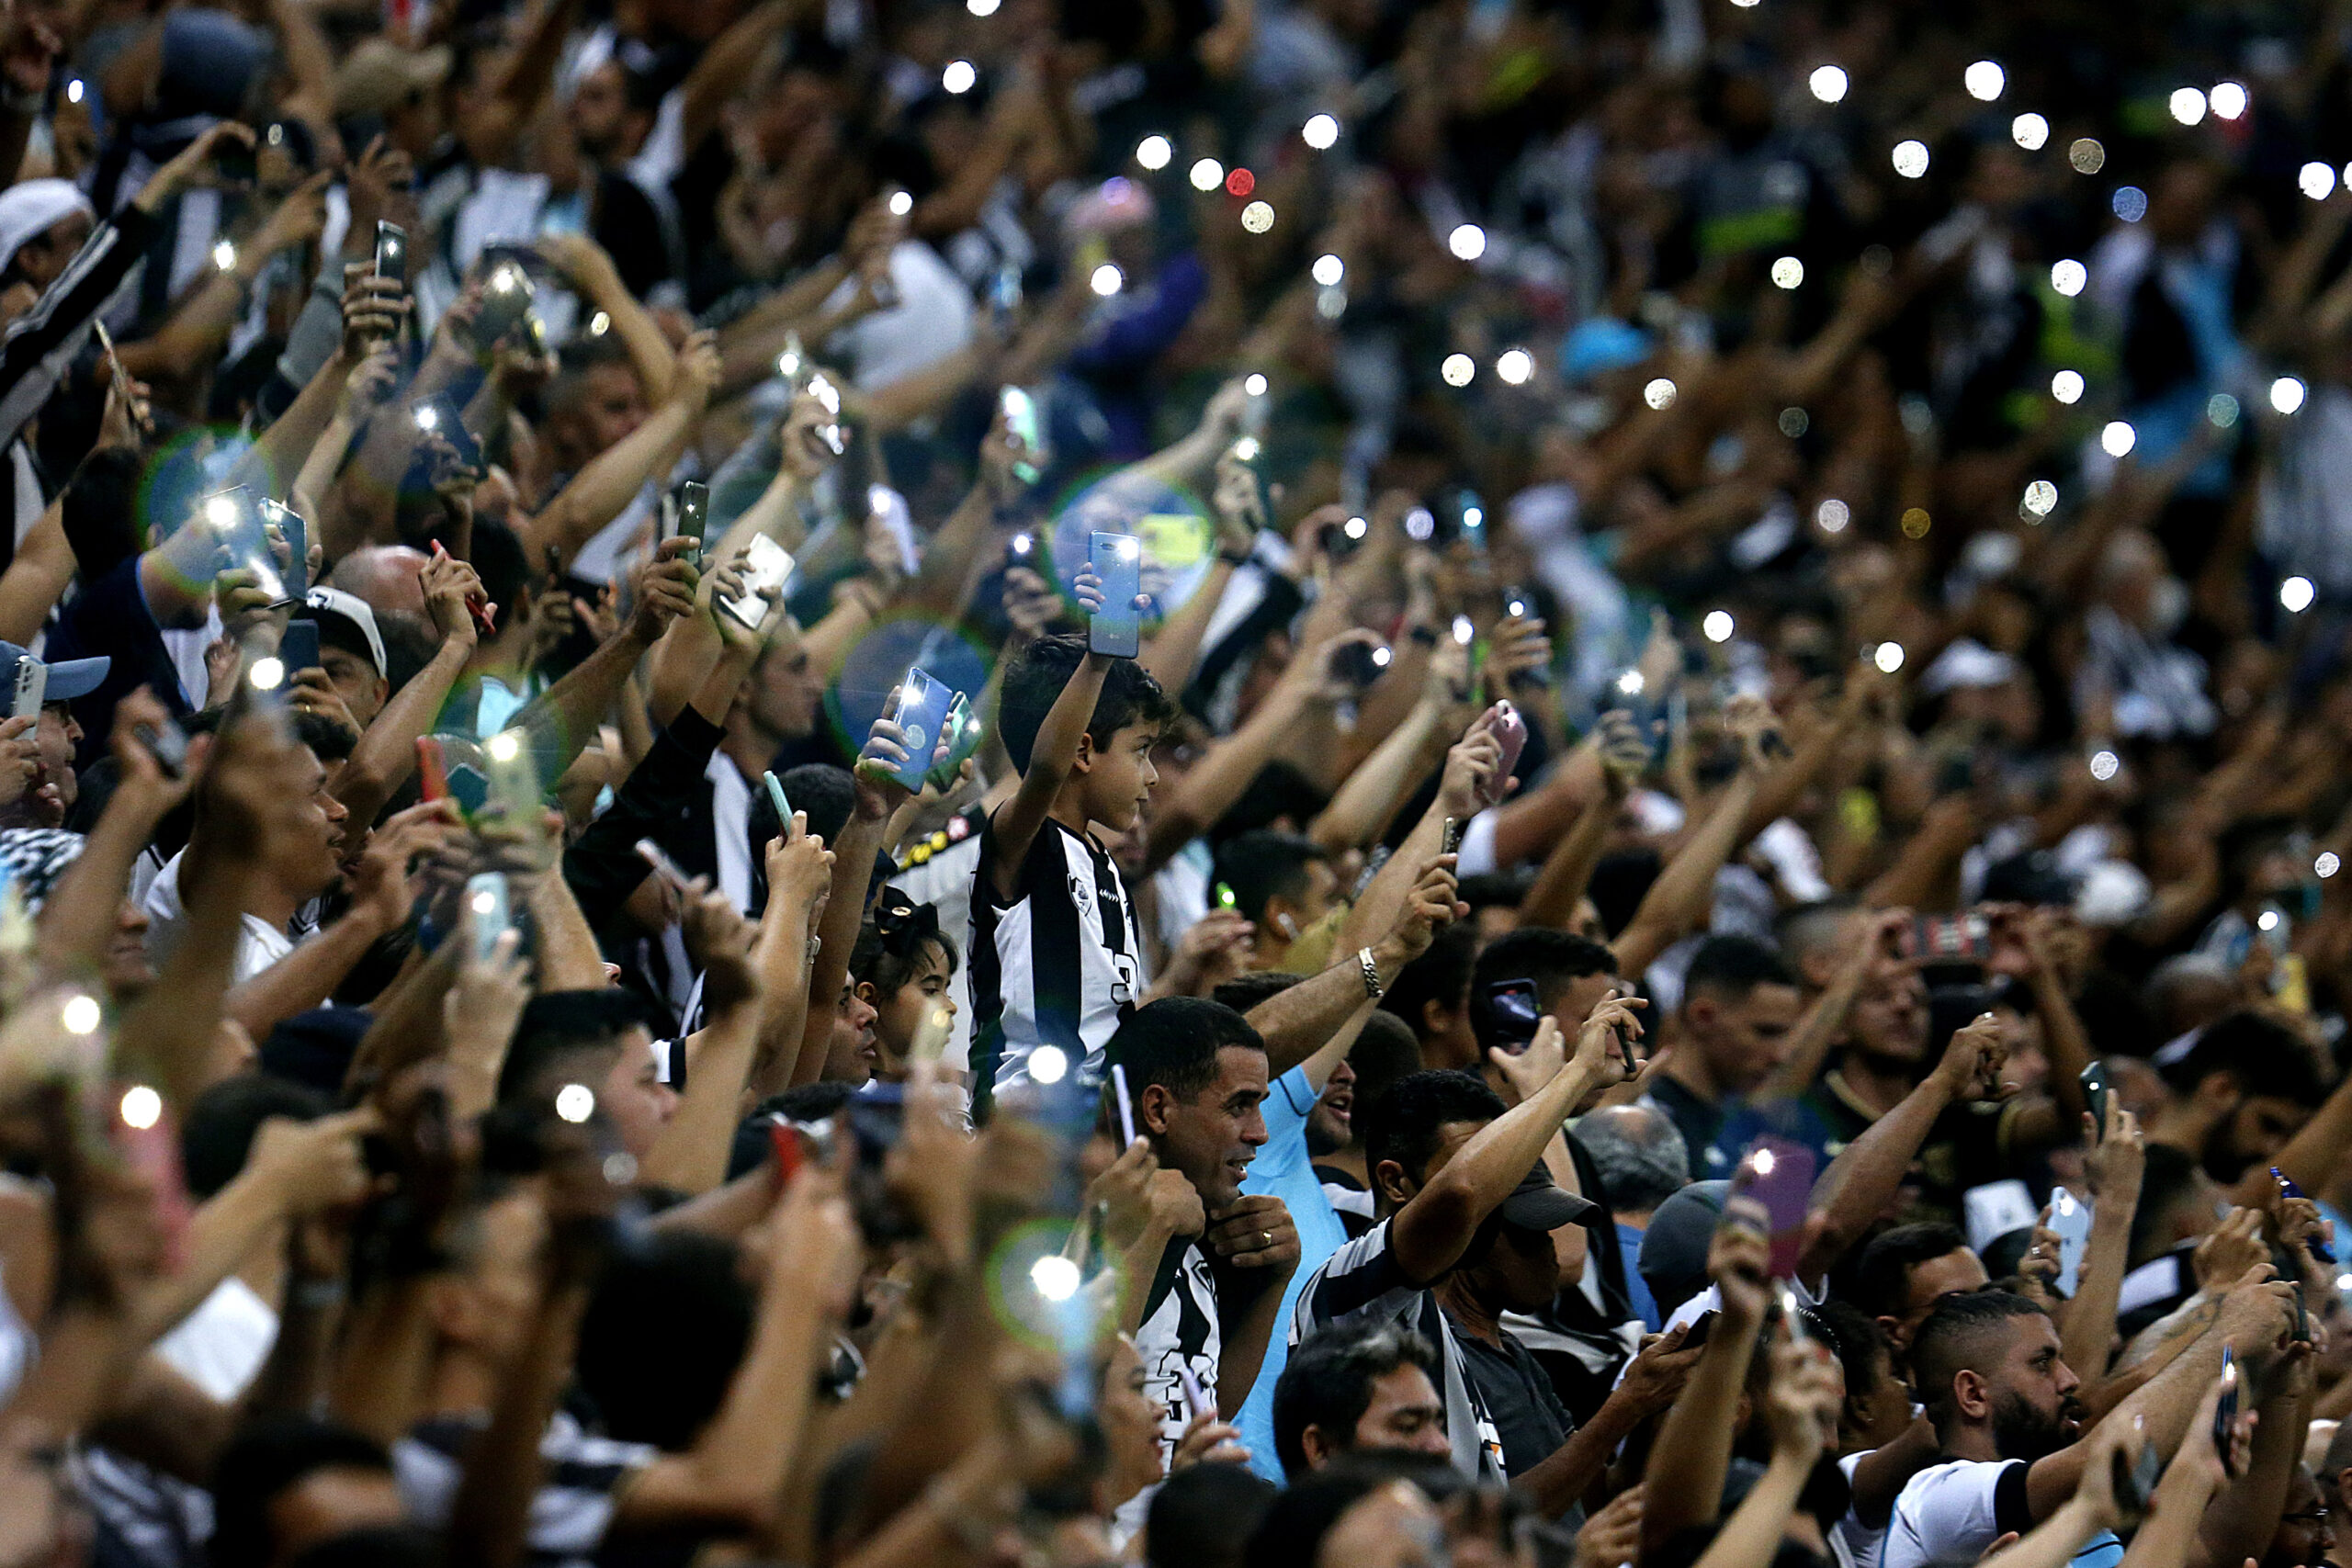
{"points": [[1241, 182]]}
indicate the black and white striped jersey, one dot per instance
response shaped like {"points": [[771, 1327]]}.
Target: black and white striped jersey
{"points": [[1057, 964], [1364, 1277], [1180, 1328]]}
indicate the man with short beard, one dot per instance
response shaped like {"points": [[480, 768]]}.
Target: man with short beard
{"points": [[1987, 1365]]}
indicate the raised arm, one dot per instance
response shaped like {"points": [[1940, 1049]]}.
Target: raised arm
{"points": [[1684, 1483], [1433, 1229], [386, 754], [612, 479], [690, 1152], [1567, 870], [2118, 1156]]}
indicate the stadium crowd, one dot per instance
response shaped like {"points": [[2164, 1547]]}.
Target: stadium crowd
{"points": [[1289, 784]]}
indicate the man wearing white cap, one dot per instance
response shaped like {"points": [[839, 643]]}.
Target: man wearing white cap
{"points": [[53, 787], [351, 650]]}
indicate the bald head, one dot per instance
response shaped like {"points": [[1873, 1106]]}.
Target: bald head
{"points": [[384, 575], [1815, 940], [1640, 1156]]}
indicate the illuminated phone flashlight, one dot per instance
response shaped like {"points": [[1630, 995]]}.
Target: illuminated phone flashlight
{"points": [[1629, 683], [599, 325], [575, 1102], [1054, 1277], [1420, 524], [1381, 658], [80, 1015], [142, 1107], [827, 396], [225, 256], [1154, 152], [222, 512], [74, 91], [1107, 279], [1246, 448], [787, 364], [1517, 607], [1717, 626], [1761, 1162], [1048, 1064], [1129, 550], [958, 78], [505, 280], [901, 203], [1463, 630], [1888, 657], [1254, 384], [504, 746], [1023, 544], [267, 674], [428, 418], [1355, 528]]}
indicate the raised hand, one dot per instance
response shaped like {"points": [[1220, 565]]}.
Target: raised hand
{"points": [[664, 591]]}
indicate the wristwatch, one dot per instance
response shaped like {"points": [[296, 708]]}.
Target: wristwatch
{"points": [[1372, 986]]}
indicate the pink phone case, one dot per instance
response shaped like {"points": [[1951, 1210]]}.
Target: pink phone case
{"points": [[1510, 730]]}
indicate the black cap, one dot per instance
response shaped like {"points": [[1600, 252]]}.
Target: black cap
{"points": [[1540, 1203]]}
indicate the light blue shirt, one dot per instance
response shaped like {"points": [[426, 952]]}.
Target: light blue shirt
{"points": [[1284, 1169]]}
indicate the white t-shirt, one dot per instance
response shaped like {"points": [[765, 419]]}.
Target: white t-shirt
{"points": [[259, 945], [1853, 1543], [221, 1346], [1949, 1513]]}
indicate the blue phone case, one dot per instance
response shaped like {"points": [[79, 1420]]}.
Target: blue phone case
{"points": [[922, 709], [1117, 559]]}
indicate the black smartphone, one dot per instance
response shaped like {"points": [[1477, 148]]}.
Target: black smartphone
{"points": [[392, 251], [2094, 1082], [1515, 1011], [506, 295], [2135, 1479], [439, 415], [299, 649], [694, 512], [235, 162], [167, 742], [1702, 1328], [1360, 663], [2226, 1413]]}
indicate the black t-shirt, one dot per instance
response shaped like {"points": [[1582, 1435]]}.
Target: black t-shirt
{"points": [[1527, 1414]]}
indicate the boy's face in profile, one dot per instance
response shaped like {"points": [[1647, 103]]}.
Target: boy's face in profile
{"points": [[1120, 775]]}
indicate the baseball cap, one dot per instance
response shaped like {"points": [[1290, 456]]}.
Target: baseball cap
{"points": [[68, 678], [1673, 1258], [324, 602], [377, 74], [1540, 1203], [209, 61]]}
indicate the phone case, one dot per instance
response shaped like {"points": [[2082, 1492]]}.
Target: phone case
{"points": [[1779, 1174], [962, 740], [693, 510], [487, 913], [2094, 1082], [32, 684], [431, 772], [1504, 722], [1116, 629], [766, 566], [296, 532], [392, 251], [1517, 1013], [922, 709], [1021, 424], [2070, 1217], [298, 648], [776, 798], [506, 294]]}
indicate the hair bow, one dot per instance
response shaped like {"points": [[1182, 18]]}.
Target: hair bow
{"points": [[905, 927]]}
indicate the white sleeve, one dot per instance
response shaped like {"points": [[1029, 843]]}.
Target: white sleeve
{"points": [[1477, 847]]}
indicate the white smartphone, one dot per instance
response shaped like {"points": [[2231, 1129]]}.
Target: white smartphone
{"points": [[32, 685], [2071, 1218], [765, 565]]}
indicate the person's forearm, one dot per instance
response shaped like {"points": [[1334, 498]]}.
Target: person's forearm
{"points": [[304, 977], [861, 840], [1754, 1531], [1567, 870], [2090, 1336], [490, 1516], [1919, 870], [1678, 900], [2168, 1402], [689, 1155], [649, 354], [386, 754], [1211, 787], [192, 336], [489, 130], [84, 1352], [1298, 1021], [1245, 1339], [2165, 1536], [221, 1233], [169, 1030], [281, 453], [79, 918], [727, 66], [570, 959], [1369, 795], [1683, 1485], [1566, 1475], [37, 578], [683, 662], [2065, 1038], [743, 1454], [566, 715], [1432, 1231], [2240, 1519], [293, 1376], [938, 586], [609, 482], [379, 1385], [1820, 1026], [1172, 655], [1863, 1179], [781, 955], [830, 640], [317, 480], [2313, 1154]]}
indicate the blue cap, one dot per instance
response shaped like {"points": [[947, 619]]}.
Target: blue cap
{"points": [[1602, 343], [68, 678]]}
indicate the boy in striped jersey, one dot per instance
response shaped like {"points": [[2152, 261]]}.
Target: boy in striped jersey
{"points": [[1055, 957]]}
